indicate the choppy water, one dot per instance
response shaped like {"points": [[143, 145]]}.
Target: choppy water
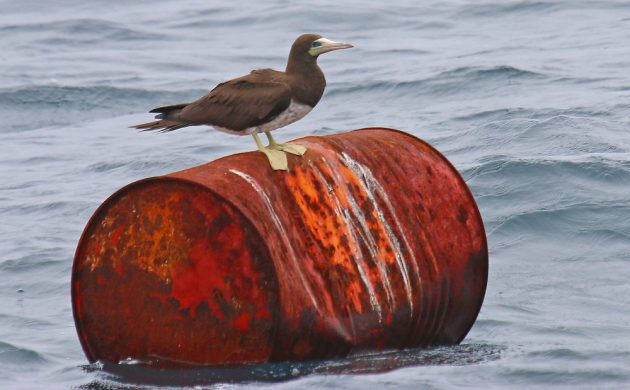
{"points": [[529, 99]]}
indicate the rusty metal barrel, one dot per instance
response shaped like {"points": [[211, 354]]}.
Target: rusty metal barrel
{"points": [[371, 241]]}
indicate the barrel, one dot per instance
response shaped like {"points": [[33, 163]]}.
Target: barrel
{"points": [[370, 241]]}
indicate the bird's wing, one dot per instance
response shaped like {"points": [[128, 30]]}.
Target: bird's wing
{"points": [[241, 103]]}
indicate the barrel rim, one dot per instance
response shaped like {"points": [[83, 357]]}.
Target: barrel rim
{"points": [[474, 202], [98, 213]]}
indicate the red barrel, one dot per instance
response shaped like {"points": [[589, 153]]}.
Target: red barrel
{"points": [[371, 241]]}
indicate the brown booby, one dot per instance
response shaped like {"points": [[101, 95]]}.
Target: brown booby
{"points": [[262, 101]]}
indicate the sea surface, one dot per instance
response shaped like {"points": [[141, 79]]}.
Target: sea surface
{"points": [[530, 100]]}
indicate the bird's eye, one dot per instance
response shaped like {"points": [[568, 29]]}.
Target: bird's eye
{"points": [[316, 44]]}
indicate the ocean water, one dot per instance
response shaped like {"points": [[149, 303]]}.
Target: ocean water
{"points": [[529, 99]]}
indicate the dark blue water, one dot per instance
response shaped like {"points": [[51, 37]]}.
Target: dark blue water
{"points": [[529, 99]]}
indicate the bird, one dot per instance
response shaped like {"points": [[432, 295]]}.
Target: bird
{"points": [[260, 102]]}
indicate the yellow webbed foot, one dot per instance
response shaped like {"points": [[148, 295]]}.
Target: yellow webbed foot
{"points": [[277, 159], [298, 150]]}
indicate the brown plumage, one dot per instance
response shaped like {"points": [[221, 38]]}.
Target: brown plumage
{"points": [[245, 104]]}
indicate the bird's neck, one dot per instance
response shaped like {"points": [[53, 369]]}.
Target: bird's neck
{"points": [[306, 78], [298, 61]]}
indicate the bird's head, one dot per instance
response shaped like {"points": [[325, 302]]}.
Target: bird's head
{"points": [[312, 45]]}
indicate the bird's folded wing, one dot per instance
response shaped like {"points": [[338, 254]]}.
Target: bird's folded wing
{"points": [[239, 104]]}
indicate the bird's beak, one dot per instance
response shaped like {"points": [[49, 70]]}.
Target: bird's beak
{"points": [[328, 45]]}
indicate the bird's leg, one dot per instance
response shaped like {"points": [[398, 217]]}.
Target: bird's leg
{"points": [[289, 148], [277, 158]]}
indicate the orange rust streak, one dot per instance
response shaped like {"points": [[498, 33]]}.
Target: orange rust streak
{"points": [[326, 227], [352, 196]]}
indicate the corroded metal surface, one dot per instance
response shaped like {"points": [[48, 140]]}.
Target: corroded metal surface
{"points": [[371, 241]]}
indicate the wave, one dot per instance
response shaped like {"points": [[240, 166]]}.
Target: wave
{"points": [[40, 106], [520, 112], [85, 97], [87, 30], [452, 81], [500, 71], [567, 221], [534, 133], [14, 355], [572, 196], [496, 9], [548, 376], [609, 175]]}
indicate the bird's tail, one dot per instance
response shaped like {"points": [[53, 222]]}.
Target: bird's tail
{"points": [[168, 120], [162, 126]]}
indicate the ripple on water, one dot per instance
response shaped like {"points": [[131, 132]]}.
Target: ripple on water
{"points": [[13, 355], [451, 82], [498, 9], [79, 31], [546, 375]]}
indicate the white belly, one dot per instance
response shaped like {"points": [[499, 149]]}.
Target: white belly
{"points": [[294, 112]]}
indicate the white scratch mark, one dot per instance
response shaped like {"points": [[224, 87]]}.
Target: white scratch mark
{"points": [[283, 233], [371, 186], [373, 248], [351, 228]]}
